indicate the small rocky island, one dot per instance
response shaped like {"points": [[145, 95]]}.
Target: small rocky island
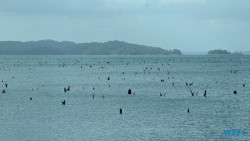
{"points": [[223, 52], [218, 51]]}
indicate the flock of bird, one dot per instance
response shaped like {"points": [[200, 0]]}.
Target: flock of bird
{"points": [[129, 91]]}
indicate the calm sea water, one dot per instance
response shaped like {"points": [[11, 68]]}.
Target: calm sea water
{"points": [[146, 115]]}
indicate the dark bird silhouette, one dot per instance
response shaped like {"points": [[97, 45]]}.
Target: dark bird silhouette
{"points": [[108, 78], [244, 85], [30, 98], [129, 91], [191, 84], [235, 92], [188, 110], [205, 93], [120, 111], [68, 88], [65, 90], [186, 83], [63, 102], [192, 93], [6, 85], [160, 94]]}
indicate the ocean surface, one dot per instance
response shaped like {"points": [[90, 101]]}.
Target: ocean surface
{"points": [[31, 109]]}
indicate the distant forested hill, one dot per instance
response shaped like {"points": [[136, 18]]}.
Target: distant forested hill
{"points": [[51, 47], [218, 51]]}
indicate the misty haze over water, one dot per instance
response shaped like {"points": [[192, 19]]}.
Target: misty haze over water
{"points": [[163, 89], [124, 70]]}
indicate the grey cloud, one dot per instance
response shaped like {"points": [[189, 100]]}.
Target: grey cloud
{"points": [[200, 24]]}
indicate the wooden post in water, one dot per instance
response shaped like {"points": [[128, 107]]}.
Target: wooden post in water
{"points": [[129, 91]]}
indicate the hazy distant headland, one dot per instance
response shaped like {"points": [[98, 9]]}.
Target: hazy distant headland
{"points": [[51, 47], [219, 51]]}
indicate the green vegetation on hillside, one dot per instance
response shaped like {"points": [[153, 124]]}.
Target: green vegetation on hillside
{"points": [[218, 51], [51, 47]]}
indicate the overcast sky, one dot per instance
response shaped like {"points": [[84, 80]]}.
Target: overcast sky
{"points": [[188, 25]]}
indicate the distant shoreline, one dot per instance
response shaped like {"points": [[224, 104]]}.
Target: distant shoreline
{"points": [[124, 55], [51, 47]]}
